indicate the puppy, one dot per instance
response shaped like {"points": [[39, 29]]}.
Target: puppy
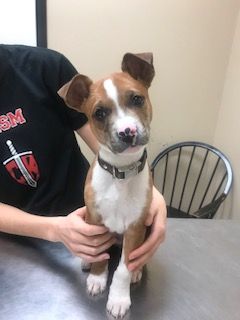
{"points": [[118, 188]]}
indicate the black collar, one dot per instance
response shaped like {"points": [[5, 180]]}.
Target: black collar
{"points": [[127, 171]]}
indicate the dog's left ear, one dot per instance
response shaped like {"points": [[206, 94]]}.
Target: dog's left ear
{"points": [[76, 91], [139, 66]]}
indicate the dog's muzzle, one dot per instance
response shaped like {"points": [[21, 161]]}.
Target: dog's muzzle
{"points": [[128, 136], [122, 140]]}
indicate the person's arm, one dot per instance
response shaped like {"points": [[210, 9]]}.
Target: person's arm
{"points": [[87, 241], [85, 132], [16, 221]]}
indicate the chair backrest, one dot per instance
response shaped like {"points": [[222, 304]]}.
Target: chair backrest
{"points": [[194, 178]]}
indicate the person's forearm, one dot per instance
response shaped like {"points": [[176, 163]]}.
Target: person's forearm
{"points": [[18, 222], [86, 134]]}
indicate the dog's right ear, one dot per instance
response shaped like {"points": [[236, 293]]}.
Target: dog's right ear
{"points": [[139, 66], [76, 91]]}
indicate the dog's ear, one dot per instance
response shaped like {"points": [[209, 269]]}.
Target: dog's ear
{"points": [[76, 91], [139, 66]]}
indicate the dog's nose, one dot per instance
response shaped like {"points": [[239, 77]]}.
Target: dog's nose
{"points": [[128, 135]]}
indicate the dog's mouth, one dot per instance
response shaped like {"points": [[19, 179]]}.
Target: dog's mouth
{"points": [[128, 144]]}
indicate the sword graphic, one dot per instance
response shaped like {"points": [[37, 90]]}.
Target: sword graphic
{"points": [[31, 182]]}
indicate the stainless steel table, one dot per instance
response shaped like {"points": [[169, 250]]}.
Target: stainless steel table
{"points": [[195, 275]]}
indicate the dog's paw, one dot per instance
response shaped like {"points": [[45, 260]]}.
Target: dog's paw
{"points": [[96, 284], [118, 307], [136, 276]]}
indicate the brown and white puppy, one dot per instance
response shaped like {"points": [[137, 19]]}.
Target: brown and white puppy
{"points": [[118, 187]]}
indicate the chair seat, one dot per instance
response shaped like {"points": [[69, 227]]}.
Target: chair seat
{"points": [[175, 213]]}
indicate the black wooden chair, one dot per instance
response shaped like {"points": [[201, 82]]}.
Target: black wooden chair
{"points": [[194, 178]]}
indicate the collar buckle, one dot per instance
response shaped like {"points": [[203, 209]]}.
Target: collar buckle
{"points": [[126, 172]]}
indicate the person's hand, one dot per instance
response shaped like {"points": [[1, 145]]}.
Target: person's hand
{"points": [[157, 220], [89, 242]]}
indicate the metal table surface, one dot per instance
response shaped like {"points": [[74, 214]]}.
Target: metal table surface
{"points": [[194, 275]]}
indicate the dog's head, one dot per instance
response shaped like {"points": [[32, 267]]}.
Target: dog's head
{"points": [[118, 106]]}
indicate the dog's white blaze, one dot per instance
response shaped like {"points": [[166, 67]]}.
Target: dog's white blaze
{"points": [[123, 119], [112, 93], [111, 90]]}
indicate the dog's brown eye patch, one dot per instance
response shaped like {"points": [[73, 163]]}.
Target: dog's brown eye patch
{"points": [[101, 113]]}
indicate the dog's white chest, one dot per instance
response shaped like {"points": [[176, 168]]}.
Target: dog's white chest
{"points": [[119, 202]]}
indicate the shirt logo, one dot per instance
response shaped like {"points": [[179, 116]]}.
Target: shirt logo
{"points": [[22, 166], [11, 120]]}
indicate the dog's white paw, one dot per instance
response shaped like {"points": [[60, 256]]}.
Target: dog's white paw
{"points": [[118, 306], [136, 276], [96, 284]]}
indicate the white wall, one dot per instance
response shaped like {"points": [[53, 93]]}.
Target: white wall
{"points": [[191, 41], [18, 22], [227, 135]]}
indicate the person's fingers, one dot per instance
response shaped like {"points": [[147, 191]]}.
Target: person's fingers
{"points": [[90, 250], [99, 240], [85, 228], [84, 252], [91, 230], [157, 234], [140, 262], [90, 259], [140, 256], [152, 241], [150, 218]]}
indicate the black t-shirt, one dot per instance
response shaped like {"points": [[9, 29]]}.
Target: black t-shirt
{"points": [[42, 169]]}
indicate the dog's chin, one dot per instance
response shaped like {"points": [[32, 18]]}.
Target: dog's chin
{"points": [[133, 149], [126, 148]]}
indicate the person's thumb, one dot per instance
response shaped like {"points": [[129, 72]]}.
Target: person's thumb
{"points": [[81, 212]]}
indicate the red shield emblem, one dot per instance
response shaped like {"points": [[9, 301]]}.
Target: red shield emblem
{"points": [[22, 167]]}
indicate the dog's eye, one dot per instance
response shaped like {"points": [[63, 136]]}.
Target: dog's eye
{"points": [[137, 100], [101, 113]]}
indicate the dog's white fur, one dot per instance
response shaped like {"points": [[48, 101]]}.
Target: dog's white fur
{"points": [[116, 199], [119, 299], [112, 93]]}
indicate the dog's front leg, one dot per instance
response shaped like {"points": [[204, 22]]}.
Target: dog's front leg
{"points": [[119, 300], [97, 278], [98, 275]]}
